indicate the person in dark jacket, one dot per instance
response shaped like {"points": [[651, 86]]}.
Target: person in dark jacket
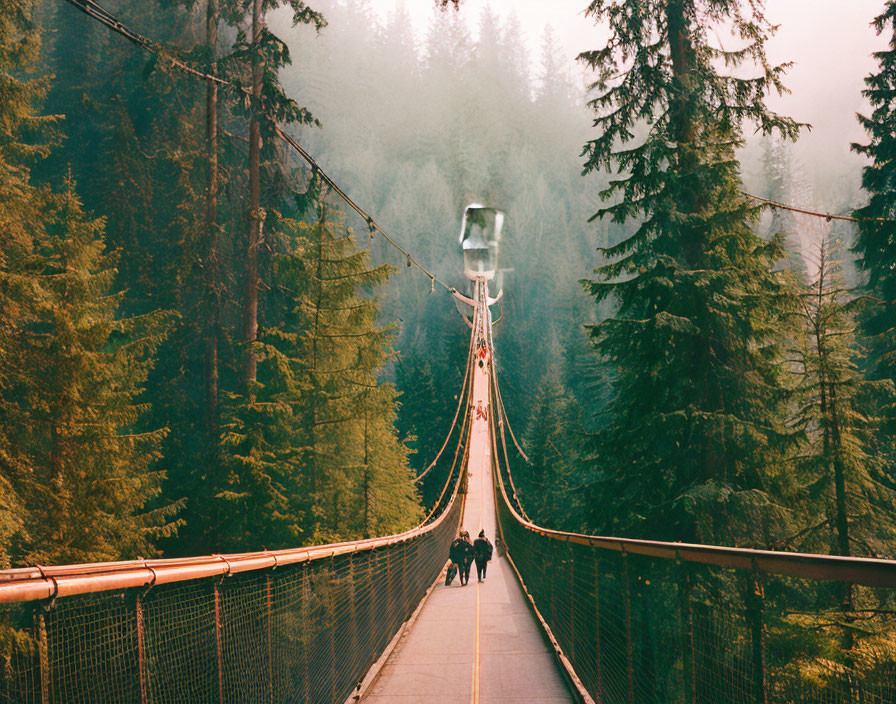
{"points": [[482, 553], [468, 558], [461, 554]]}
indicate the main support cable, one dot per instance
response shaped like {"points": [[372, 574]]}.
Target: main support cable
{"points": [[499, 406], [101, 15], [491, 347], [464, 398], [773, 204]]}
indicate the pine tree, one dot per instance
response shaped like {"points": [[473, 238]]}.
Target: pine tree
{"points": [[877, 225], [92, 478], [697, 423], [357, 467], [20, 228], [842, 469], [783, 183], [547, 482], [310, 450], [266, 55]]}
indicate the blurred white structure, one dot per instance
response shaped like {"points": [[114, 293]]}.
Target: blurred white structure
{"points": [[480, 235]]}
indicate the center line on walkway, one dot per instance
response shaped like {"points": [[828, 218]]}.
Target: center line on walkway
{"points": [[476, 653]]}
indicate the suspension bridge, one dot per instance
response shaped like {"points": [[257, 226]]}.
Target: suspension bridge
{"points": [[560, 617]]}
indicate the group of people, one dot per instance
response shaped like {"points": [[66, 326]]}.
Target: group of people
{"points": [[463, 554]]}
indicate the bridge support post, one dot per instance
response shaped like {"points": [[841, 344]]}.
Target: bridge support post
{"points": [[306, 631], [689, 666], [572, 611], [270, 634], [43, 655], [218, 642], [352, 609], [331, 607], [371, 603], [629, 644], [599, 685], [404, 575], [755, 607], [141, 651]]}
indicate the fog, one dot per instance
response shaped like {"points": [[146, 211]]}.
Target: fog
{"points": [[423, 112], [830, 43]]}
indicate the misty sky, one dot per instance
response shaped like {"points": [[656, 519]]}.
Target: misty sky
{"points": [[830, 42]]}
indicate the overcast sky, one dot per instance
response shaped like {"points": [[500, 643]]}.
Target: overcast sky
{"points": [[830, 42]]}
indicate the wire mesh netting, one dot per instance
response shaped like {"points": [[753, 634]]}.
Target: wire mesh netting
{"points": [[305, 632], [654, 630]]}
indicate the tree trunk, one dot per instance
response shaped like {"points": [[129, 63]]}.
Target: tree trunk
{"points": [[367, 517], [211, 222], [681, 50], [255, 214]]}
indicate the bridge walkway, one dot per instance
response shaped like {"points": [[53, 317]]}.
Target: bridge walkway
{"points": [[478, 643]]}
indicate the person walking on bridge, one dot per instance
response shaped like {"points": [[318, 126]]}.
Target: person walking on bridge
{"points": [[461, 554], [482, 553]]}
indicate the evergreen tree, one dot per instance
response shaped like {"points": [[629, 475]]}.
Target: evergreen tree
{"points": [[697, 422], [310, 451], [877, 225], [92, 479], [784, 184], [546, 485], [20, 219], [842, 468]]}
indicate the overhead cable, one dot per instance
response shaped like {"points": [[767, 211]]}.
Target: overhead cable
{"points": [[491, 346], [802, 211], [100, 14], [460, 402]]}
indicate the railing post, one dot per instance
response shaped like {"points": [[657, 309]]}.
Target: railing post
{"points": [[352, 607], [755, 605], [689, 666], [599, 684], [43, 655], [141, 651], [404, 576], [218, 642], [553, 598], [306, 634], [371, 603], [629, 645], [331, 604], [270, 618], [572, 611], [390, 592]]}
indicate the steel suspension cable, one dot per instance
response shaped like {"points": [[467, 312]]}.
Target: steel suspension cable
{"points": [[502, 419], [516, 494], [491, 346], [98, 13], [462, 442], [812, 213], [461, 399]]}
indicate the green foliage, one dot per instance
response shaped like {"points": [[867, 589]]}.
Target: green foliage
{"points": [[547, 487], [310, 453], [20, 218], [77, 373], [850, 510], [697, 428], [877, 226]]}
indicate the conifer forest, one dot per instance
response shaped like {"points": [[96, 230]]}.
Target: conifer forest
{"points": [[204, 349]]}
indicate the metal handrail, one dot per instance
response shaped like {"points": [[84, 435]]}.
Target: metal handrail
{"points": [[870, 572], [37, 583]]}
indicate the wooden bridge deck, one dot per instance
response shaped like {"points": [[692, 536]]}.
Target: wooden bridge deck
{"points": [[478, 643]]}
